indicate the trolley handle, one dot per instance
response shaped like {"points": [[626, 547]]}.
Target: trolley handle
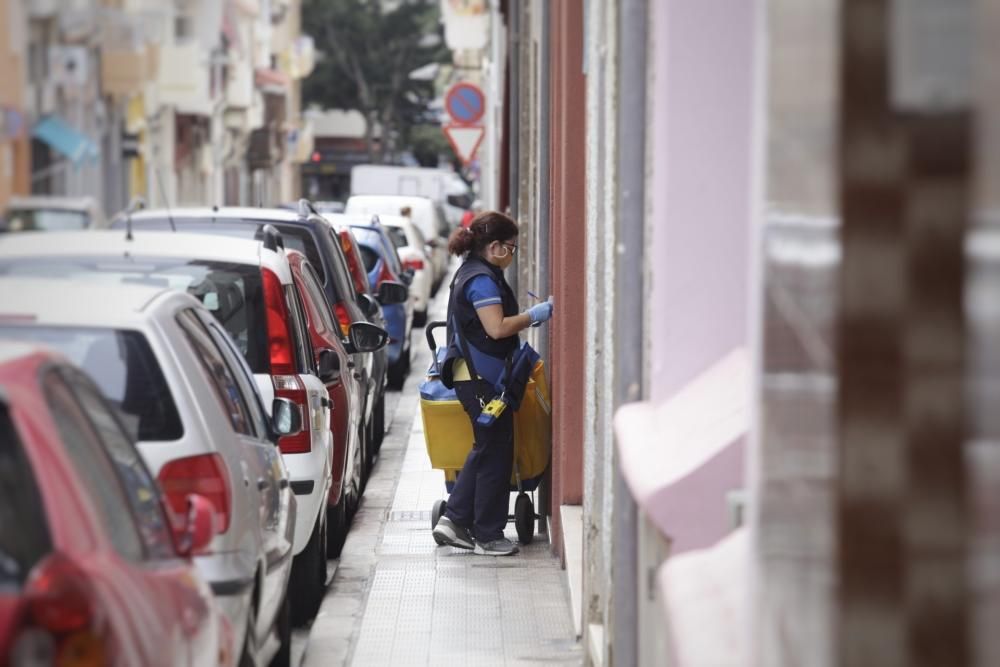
{"points": [[431, 343]]}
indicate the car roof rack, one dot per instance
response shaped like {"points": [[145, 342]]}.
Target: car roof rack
{"points": [[272, 238], [306, 207]]}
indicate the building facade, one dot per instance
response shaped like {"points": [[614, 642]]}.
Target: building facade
{"points": [[770, 247], [177, 102]]}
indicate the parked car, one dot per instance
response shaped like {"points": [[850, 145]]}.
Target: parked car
{"points": [[184, 394], [306, 231], [86, 542], [346, 392], [443, 186], [383, 266], [250, 289], [365, 295], [46, 214], [412, 250], [426, 215]]}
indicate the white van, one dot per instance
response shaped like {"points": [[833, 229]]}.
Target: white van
{"points": [[440, 185]]}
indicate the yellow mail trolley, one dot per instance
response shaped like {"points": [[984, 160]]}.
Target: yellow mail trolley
{"points": [[448, 434]]}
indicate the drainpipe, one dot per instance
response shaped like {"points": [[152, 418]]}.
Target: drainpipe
{"points": [[629, 293], [542, 256], [514, 121]]}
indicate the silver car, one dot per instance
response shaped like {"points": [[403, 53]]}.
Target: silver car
{"points": [[191, 403]]}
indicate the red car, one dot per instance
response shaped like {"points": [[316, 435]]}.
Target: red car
{"points": [[94, 569], [346, 392]]}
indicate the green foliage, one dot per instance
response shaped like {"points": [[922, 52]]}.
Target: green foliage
{"points": [[368, 49], [427, 143]]}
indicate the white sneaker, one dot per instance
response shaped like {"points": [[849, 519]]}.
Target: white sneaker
{"points": [[501, 547], [448, 532]]}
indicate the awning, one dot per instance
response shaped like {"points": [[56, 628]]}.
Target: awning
{"points": [[681, 458], [62, 137], [271, 81]]}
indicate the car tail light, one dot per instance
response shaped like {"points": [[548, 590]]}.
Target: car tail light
{"points": [[415, 264], [384, 274], [291, 387], [357, 273], [279, 339], [343, 317], [62, 625], [205, 475]]}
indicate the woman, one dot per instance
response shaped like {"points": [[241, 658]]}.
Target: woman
{"points": [[483, 323]]}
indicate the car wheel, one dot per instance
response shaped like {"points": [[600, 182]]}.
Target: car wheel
{"points": [[336, 527], [283, 658], [249, 656], [306, 591]]}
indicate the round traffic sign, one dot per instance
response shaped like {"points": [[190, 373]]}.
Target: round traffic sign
{"points": [[465, 103]]}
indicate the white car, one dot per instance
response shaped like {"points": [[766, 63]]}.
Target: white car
{"points": [[247, 286], [426, 214], [48, 213], [412, 249], [181, 388]]}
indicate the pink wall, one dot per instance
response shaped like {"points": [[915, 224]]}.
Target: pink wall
{"points": [[703, 68]]}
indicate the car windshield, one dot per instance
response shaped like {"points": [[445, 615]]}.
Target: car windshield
{"points": [[123, 365], [296, 237], [230, 291], [24, 536], [397, 235], [44, 219]]}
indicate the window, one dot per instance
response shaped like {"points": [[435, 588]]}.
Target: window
{"points": [[140, 488], [370, 258], [231, 291], [341, 274], [316, 301], [125, 368], [93, 468], [244, 377], [398, 236], [24, 534], [299, 330], [220, 377]]}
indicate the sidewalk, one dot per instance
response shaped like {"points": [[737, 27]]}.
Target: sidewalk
{"points": [[399, 599]]}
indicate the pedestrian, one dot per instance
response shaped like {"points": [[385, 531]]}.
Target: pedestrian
{"points": [[483, 320]]}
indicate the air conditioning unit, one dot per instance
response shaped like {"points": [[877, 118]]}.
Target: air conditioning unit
{"points": [[69, 66], [42, 9]]}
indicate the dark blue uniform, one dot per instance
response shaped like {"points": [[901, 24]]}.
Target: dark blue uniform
{"points": [[479, 499]]}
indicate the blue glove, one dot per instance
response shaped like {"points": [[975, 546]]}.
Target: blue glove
{"points": [[540, 312]]}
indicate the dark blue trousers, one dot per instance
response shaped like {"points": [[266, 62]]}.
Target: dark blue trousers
{"points": [[479, 499]]}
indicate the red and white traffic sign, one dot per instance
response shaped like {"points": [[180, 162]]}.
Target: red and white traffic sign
{"points": [[464, 140], [465, 103]]}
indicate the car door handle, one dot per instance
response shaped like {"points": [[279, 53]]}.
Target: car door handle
{"points": [[261, 484]]}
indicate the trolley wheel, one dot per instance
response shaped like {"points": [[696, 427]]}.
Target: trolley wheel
{"points": [[436, 513], [524, 518]]}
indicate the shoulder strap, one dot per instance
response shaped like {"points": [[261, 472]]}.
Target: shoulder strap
{"points": [[463, 346]]}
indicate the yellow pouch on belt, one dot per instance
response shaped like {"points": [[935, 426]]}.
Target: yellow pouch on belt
{"points": [[460, 371]]}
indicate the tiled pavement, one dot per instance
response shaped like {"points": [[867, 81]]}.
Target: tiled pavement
{"points": [[398, 599]]}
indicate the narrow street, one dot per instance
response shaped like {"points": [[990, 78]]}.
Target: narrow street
{"points": [[396, 598]]}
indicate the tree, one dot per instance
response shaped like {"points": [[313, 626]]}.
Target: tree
{"points": [[369, 48]]}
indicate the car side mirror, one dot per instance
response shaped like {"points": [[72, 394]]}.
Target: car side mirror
{"points": [[286, 417], [391, 292], [328, 365], [407, 277], [196, 532], [366, 337], [369, 306]]}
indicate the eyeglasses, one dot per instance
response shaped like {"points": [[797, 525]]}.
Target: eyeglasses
{"points": [[511, 246]]}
